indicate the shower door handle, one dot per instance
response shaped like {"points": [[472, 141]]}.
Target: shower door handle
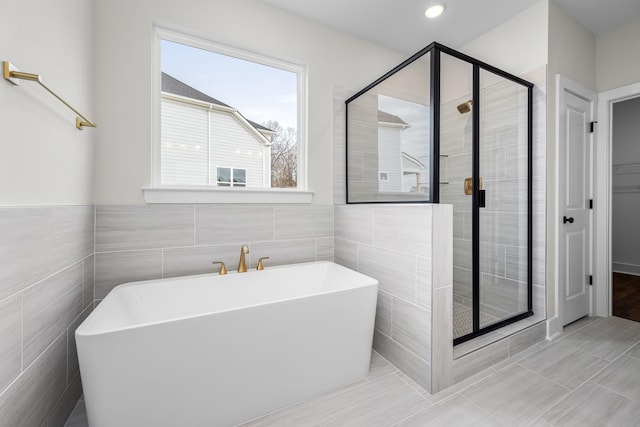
{"points": [[567, 220], [481, 199]]}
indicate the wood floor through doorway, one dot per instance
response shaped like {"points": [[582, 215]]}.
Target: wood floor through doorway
{"points": [[626, 296]]}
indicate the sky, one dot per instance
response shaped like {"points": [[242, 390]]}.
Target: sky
{"points": [[261, 93]]}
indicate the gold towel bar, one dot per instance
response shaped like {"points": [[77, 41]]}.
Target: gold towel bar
{"points": [[10, 74]]}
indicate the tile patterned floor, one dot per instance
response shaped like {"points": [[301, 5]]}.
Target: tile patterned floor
{"points": [[590, 376]]}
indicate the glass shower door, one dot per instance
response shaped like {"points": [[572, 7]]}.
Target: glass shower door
{"points": [[504, 215]]}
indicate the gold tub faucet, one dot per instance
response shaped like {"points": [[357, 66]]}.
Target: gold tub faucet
{"points": [[242, 265], [260, 266], [223, 269]]}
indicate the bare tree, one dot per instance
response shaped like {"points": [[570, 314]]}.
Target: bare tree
{"points": [[284, 156]]}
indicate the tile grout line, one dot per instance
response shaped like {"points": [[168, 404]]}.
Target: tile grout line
{"points": [[385, 375], [543, 377], [22, 369], [60, 399], [492, 416], [410, 385], [82, 286], [633, 400], [467, 385], [39, 281], [95, 226], [586, 381], [419, 411], [66, 362], [31, 364], [273, 222], [416, 280]]}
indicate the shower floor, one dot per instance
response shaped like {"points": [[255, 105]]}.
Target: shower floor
{"points": [[463, 319]]}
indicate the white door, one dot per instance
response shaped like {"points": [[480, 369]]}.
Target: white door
{"points": [[576, 111]]}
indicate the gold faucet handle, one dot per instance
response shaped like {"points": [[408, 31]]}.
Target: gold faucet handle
{"points": [[223, 269], [260, 265], [468, 186]]}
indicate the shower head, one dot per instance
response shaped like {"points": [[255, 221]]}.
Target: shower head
{"points": [[465, 107]]}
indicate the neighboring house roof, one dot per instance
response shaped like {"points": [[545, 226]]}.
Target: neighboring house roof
{"points": [[391, 119], [413, 160], [172, 85]]}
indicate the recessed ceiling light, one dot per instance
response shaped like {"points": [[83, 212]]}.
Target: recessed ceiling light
{"points": [[435, 10]]}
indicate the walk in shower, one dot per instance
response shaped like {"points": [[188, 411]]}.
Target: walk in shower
{"points": [[443, 127]]}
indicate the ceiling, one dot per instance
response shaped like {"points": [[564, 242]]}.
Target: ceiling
{"points": [[401, 25]]}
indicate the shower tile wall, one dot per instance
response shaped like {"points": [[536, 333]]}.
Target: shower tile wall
{"points": [[503, 258], [144, 242], [46, 290], [363, 155], [398, 245]]}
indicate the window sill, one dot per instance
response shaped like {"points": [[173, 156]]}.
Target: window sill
{"points": [[224, 195]]}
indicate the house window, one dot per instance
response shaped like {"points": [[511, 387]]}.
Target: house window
{"points": [[222, 105], [230, 177]]}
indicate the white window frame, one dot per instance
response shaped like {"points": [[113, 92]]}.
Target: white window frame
{"points": [[231, 176], [158, 193]]}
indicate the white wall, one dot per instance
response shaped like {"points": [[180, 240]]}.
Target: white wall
{"points": [[626, 205], [517, 45], [123, 46], [617, 59], [572, 54], [44, 159], [46, 252]]}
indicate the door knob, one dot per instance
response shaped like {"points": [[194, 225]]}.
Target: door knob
{"points": [[567, 220]]}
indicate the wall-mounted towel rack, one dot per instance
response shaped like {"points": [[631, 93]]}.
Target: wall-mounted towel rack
{"points": [[12, 74]]}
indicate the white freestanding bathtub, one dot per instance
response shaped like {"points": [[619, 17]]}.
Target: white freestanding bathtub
{"points": [[213, 350]]}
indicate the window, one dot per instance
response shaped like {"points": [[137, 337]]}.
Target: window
{"points": [[224, 106], [229, 177]]}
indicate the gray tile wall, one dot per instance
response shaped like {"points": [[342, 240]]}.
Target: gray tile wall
{"points": [[46, 290], [399, 246], [503, 348], [364, 241], [155, 241], [413, 269], [54, 272]]}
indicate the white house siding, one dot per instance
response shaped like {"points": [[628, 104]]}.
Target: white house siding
{"points": [[390, 157], [410, 179], [184, 144], [234, 146]]}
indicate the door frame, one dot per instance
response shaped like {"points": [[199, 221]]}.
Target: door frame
{"points": [[602, 204], [563, 84]]}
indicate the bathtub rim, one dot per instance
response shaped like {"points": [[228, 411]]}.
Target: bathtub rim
{"points": [[81, 332]]}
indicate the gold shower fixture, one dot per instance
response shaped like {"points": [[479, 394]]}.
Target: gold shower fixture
{"points": [[465, 107]]}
